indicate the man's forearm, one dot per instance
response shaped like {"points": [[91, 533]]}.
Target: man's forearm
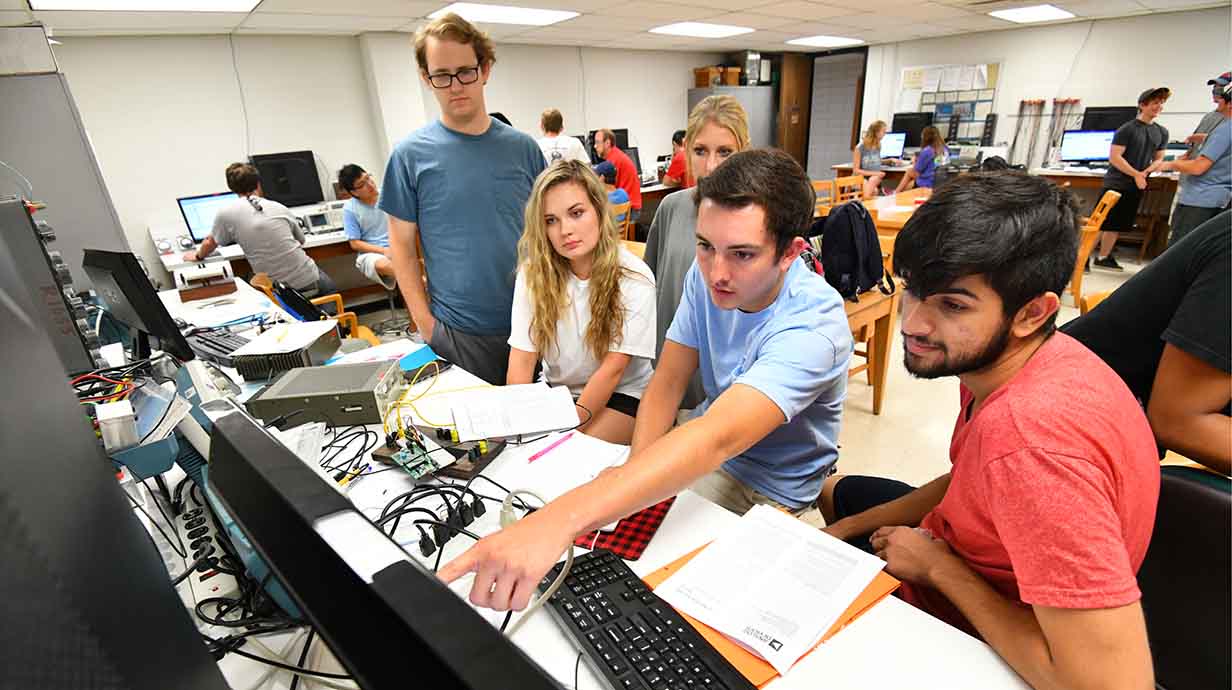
{"points": [[908, 510], [1205, 438], [1121, 164]]}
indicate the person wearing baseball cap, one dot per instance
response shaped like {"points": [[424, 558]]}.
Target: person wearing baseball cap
{"points": [[1137, 151], [1206, 172]]}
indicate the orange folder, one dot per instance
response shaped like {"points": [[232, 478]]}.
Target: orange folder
{"points": [[758, 670]]}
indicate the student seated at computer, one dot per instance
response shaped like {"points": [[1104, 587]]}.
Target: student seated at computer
{"points": [[626, 172], [270, 236], [772, 341], [866, 159], [1034, 538], [366, 226], [1168, 333], [583, 305], [615, 195], [933, 153]]}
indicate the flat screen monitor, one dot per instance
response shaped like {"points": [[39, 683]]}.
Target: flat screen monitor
{"points": [[622, 143], [892, 144], [89, 602], [387, 618], [289, 178], [911, 124], [633, 154], [1083, 146], [132, 300], [1108, 117], [199, 212]]}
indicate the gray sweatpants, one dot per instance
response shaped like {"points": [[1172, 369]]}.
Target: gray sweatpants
{"points": [[485, 356]]}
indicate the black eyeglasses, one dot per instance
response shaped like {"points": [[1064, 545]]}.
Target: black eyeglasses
{"points": [[443, 80]]}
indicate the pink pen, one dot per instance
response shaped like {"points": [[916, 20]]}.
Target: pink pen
{"points": [[550, 447]]}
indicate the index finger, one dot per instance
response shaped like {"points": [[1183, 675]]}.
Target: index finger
{"points": [[468, 562]]}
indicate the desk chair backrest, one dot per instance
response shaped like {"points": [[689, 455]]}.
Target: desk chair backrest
{"points": [[304, 309], [848, 188], [1184, 583], [1086, 241], [824, 189], [1106, 202], [620, 214]]}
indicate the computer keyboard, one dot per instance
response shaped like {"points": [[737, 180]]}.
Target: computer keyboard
{"points": [[216, 346], [630, 637]]}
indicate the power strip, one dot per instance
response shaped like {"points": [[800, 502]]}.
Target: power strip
{"points": [[199, 537]]}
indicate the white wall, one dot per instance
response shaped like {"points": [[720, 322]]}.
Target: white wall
{"points": [[165, 117], [1103, 62]]}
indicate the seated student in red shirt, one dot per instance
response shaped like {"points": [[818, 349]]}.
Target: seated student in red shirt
{"points": [[677, 174], [1034, 538], [626, 172]]}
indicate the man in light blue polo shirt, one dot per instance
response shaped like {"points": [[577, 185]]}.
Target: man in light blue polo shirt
{"points": [[366, 226], [459, 185], [773, 344], [1208, 184]]}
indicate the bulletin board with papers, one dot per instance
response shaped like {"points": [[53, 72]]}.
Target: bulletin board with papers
{"points": [[945, 90]]}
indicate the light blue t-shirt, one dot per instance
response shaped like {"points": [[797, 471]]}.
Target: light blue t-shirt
{"points": [[467, 194], [363, 222], [618, 196], [796, 352], [1212, 188]]}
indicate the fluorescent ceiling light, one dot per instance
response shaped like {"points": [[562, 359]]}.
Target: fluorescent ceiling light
{"points": [[1035, 13], [825, 41], [504, 14], [701, 30], [146, 5]]}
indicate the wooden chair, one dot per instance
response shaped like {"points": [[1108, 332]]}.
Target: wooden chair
{"points": [[848, 188], [864, 336], [621, 214], [824, 189], [638, 248], [347, 319], [1087, 239], [1089, 302], [887, 252]]}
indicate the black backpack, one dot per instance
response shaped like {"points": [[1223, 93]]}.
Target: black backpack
{"points": [[851, 253]]}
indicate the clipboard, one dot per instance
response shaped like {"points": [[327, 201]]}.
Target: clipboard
{"points": [[758, 671]]}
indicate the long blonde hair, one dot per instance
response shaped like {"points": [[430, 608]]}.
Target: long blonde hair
{"points": [[870, 134], [547, 272], [724, 111]]}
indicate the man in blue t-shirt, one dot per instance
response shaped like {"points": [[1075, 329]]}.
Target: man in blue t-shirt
{"points": [[458, 187], [366, 226], [772, 342], [1209, 183]]}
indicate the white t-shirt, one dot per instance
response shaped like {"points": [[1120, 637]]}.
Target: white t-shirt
{"points": [[563, 147], [572, 363]]}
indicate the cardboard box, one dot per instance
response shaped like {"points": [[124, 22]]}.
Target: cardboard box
{"points": [[705, 77], [731, 76]]}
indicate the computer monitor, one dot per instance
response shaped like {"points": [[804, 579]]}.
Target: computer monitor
{"points": [[132, 300], [911, 124], [289, 178], [88, 602], [199, 212], [383, 614], [636, 157], [892, 144], [1108, 117], [1085, 146], [622, 143]]}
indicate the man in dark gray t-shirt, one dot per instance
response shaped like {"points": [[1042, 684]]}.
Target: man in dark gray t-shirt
{"points": [[1137, 151]]}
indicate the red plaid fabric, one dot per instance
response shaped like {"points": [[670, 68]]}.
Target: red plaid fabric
{"points": [[632, 534]]}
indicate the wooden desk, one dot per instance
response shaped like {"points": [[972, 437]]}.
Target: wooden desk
{"points": [[879, 311], [652, 196], [1153, 210], [893, 211], [893, 173]]}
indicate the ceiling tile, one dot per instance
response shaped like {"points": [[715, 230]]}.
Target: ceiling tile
{"points": [[865, 21], [566, 34], [325, 22], [355, 8], [499, 31], [751, 20], [930, 30], [575, 5], [616, 25], [802, 29], [928, 12], [14, 17], [1175, 4], [1103, 8], [110, 21], [804, 11], [977, 22], [658, 10]]}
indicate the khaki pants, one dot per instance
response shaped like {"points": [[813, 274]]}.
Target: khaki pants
{"points": [[726, 491]]}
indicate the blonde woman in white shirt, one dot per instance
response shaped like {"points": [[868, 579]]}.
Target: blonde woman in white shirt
{"points": [[583, 305]]}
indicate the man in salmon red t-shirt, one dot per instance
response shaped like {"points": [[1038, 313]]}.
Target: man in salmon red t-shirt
{"points": [[677, 174], [626, 173], [1034, 539]]}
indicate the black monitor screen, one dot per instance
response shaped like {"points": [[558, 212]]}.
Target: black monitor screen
{"points": [[289, 178], [911, 124], [637, 158], [132, 300], [1108, 117]]}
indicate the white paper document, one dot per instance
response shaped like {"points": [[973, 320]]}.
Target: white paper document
{"points": [[503, 411], [774, 584], [568, 464]]}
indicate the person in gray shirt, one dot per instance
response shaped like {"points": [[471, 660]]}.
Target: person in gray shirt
{"points": [[1210, 120], [270, 236], [718, 127]]}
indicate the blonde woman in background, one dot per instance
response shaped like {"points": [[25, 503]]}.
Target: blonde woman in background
{"points": [[866, 158], [582, 303], [718, 127]]}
